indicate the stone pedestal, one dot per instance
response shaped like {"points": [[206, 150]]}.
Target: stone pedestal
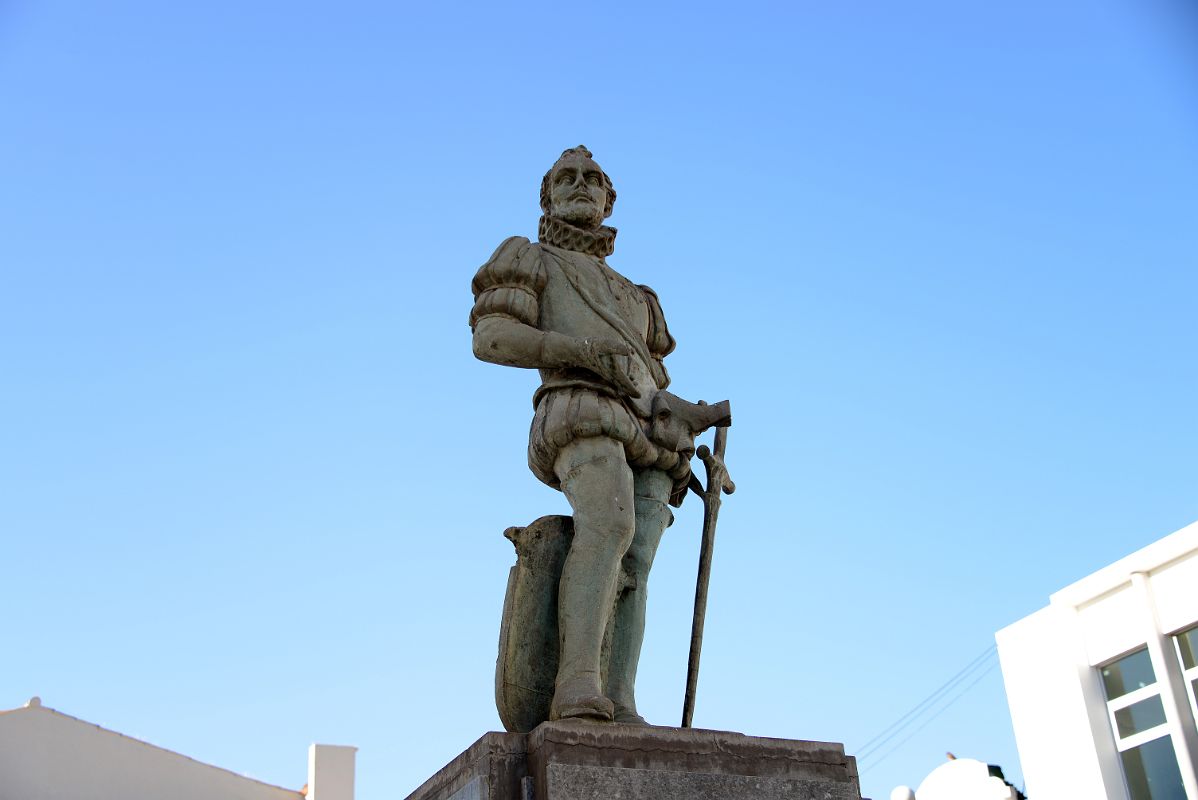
{"points": [[581, 761]]}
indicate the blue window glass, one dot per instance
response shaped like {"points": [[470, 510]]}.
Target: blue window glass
{"points": [[1187, 643], [1151, 771], [1129, 673], [1139, 717]]}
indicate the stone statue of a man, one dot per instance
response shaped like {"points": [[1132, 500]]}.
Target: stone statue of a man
{"points": [[598, 340]]}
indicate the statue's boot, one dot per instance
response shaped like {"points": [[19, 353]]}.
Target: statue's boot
{"points": [[653, 516], [596, 479], [580, 699]]}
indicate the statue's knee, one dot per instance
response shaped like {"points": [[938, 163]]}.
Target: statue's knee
{"points": [[653, 513], [609, 528], [637, 562], [621, 528]]}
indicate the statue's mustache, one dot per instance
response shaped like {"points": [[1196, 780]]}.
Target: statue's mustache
{"points": [[588, 213]]}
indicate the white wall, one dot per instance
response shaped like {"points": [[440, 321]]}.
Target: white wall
{"points": [[1175, 589], [331, 772], [1049, 709], [1050, 658], [46, 755]]}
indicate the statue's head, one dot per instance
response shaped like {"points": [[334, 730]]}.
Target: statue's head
{"points": [[577, 190]]}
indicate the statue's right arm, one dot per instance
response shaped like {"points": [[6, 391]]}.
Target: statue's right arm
{"points": [[507, 341], [507, 291]]}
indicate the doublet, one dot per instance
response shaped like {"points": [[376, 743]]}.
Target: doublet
{"points": [[576, 294]]}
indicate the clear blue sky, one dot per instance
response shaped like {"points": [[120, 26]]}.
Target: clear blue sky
{"points": [[942, 257]]}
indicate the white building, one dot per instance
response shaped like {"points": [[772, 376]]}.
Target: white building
{"points": [[48, 755], [1102, 683]]}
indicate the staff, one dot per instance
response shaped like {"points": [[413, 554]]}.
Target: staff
{"points": [[717, 481]]}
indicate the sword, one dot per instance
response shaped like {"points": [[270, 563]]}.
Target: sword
{"points": [[717, 481]]}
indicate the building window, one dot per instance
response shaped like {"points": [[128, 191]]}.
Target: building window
{"points": [[1138, 722], [1187, 651]]}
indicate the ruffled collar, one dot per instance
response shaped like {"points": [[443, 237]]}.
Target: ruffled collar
{"points": [[599, 242]]}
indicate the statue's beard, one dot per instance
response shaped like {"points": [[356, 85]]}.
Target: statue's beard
{"points": [[581, 214]]}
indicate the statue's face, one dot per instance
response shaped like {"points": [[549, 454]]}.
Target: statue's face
{"points": [[576, 192]]}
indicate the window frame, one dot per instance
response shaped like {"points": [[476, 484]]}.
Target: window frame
{"points": [[1123, 744], [1189, 676]]}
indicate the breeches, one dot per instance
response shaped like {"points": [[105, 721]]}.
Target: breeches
{"points": [[567, 414]]}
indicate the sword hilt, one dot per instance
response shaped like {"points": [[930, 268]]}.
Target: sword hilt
{"points": [[717, 471]]}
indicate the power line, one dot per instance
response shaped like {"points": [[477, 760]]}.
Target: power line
{"points": [[873, 763], [896, 727]]}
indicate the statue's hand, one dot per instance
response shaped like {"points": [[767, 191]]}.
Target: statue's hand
{"points": [[608, 359]]}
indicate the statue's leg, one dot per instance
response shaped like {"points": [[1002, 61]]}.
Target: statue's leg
{"points": [[652, 490], [596, 479]]}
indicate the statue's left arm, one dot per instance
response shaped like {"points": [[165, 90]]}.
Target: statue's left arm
{"points": [[660, 342]]}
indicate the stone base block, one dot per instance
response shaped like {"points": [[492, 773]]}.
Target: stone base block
{"points": [[582, 761]]}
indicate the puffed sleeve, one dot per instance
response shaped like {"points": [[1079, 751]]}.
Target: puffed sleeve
{"points": [[510, 283], [660, 342]]}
